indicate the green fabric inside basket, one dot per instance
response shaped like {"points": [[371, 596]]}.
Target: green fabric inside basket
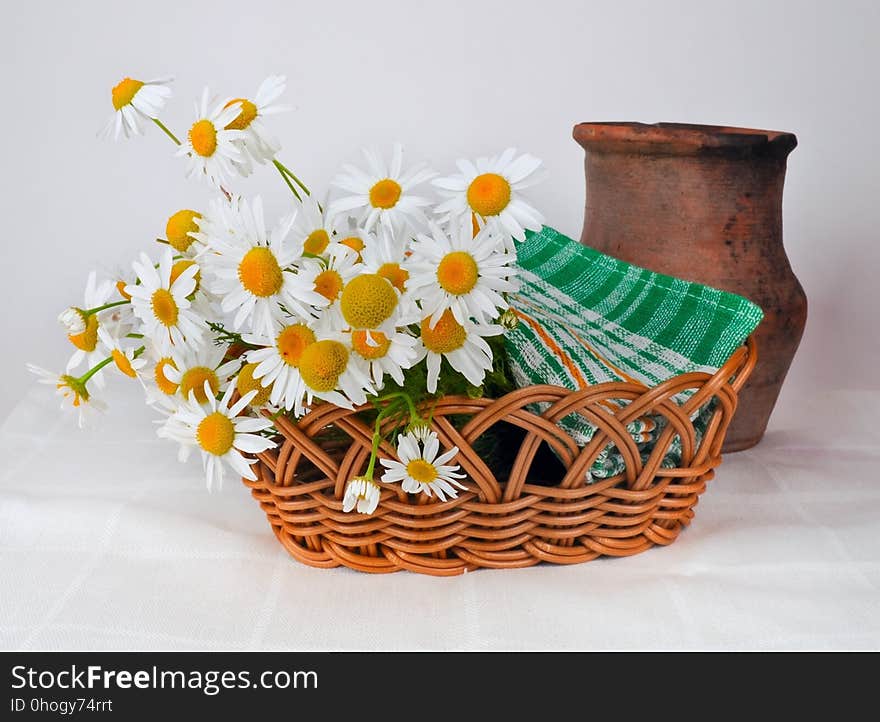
{"points": [[587, 318]]}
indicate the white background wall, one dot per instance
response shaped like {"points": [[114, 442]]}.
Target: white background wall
{"points": [[447, 79]]}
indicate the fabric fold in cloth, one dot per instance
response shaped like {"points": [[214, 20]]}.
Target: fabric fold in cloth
{"points": [[586, 318]]}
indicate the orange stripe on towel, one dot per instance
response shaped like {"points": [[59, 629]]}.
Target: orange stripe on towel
{"points": [[619, 371], [598, 356], [555, 349]]}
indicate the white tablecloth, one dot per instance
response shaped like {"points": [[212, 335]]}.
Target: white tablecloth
{"points": [[106, 542]]}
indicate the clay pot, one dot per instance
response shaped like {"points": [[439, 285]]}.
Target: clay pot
{"points": [[703, 203]]}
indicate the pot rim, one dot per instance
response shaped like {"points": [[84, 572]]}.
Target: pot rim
{"points": [[680, 139]]}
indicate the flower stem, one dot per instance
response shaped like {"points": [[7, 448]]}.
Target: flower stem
{"points": [[286, 171], [98, 309], [167, 132], [413, 411], [92, 371], [286, 179], [377, 436]]}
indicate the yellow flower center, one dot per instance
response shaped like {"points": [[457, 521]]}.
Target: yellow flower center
{"points": [[422, 471], [179, 267], [122, 363], [322, 363], [203, 138], [260, 273], [246, 383], [165, 386], [329, 284], [354, 243], [457, 273], [120, 287], [123, 93], [164, 307], [87, 340], [367, 301], [292, 341], [446, 336], [317, 242], [395, 275], [215, 433], [378, 349], [194, 380], [385, 193], [488, 194], [245, 117], [178, 228]]}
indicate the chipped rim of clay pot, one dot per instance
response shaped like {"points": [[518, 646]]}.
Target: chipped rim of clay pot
{"points": [[681, 139]]}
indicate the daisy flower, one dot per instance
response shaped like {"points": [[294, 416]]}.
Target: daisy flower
{"points": [[386, 256], [120, 320], [461, 273], [249, 267], [159, 391], [370, 302], [73, 320], [384, 193], [181, 229], [328, 279], [277, 363], [384, 354], [256, 141], [300, 367], [72, 390], [363, 493], [245, 382], [159, 362], [82, 329], [350, 236], [329, 372], [312, 231], [222, 436], [200, 298], [421, 470], [490, 189], [191, 370], [419, 428], [133, 102], [126, 359], [210, 149], [461, 344], [162, 305]]}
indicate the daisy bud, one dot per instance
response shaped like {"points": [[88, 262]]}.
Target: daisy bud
{"points": [[508, 319], [420, 428], [362, 492], [73, 320]]}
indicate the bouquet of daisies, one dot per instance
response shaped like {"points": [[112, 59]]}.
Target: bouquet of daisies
{"points": [[381, 297]]}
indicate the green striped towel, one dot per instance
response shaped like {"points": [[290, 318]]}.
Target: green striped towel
{"points": [[586, 318]]}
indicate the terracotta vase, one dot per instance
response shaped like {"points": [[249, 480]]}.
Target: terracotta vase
{"points": [[703, 203]]}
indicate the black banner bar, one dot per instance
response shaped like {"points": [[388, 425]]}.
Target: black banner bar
{"points": [[241, 685]]}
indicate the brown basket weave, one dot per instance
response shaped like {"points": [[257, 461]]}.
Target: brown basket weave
{"points": [[517, 522]]}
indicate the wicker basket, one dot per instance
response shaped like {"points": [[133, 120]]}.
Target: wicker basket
{"points": [[542, 512]]}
